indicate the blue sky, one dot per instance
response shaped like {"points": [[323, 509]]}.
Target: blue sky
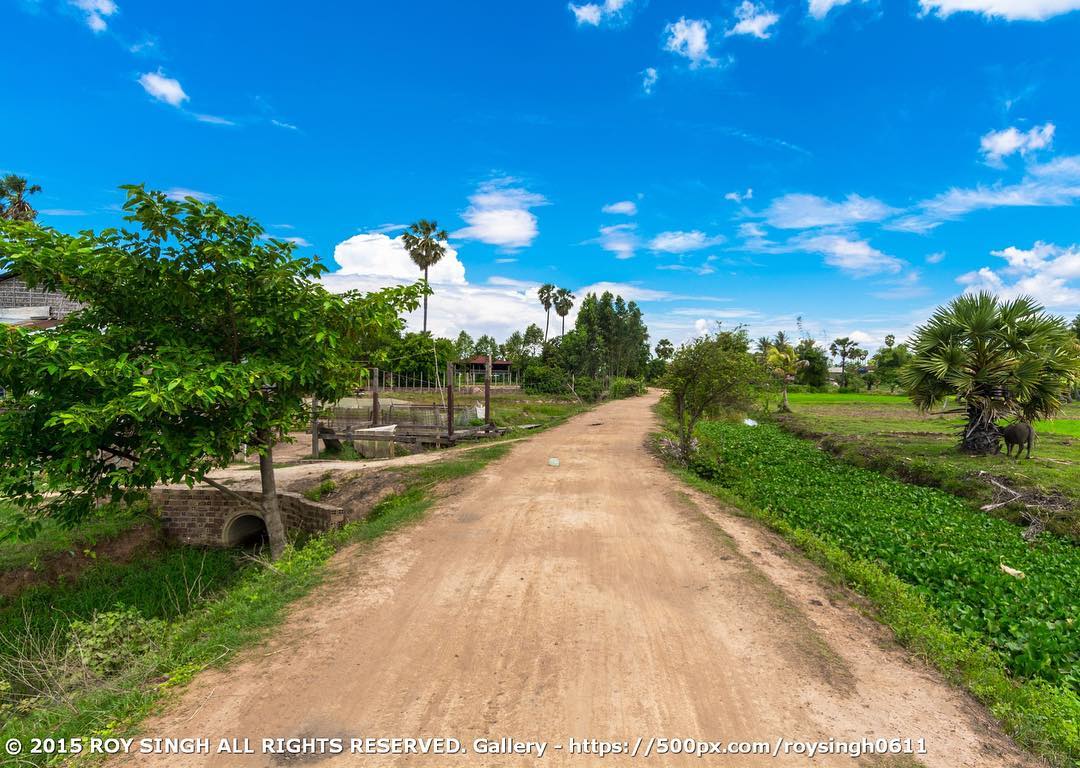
{"points": [[855, 163]]}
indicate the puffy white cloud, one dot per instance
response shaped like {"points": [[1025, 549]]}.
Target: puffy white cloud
{"points": [[624, 207], [620, 239], [499, 214], [753, 19], [1050, 273], [800, 211], [856, 257], [689, 38], [1010, 10], [592, 14], [95, 12], [819, 9], [376, 255], [683, 242], [163, 88], [738, 197], [996, 145], [649, 76]]}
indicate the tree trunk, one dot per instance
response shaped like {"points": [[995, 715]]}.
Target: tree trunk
{"points": [[547, 324], [425, 301], [981, 436], [275, 525], [783, 401], [563, 326]]}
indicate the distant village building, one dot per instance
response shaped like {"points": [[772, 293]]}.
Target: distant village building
{"points": [[34, 308], [474, 368]]}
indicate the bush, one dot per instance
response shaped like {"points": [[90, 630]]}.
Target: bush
{"points": [[541, 379], [589, 390], [623, 387], [112, 640]]}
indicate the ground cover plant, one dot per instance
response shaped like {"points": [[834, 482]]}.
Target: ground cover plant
{"points": [[92, 657], [952, 554], [888, 433]]}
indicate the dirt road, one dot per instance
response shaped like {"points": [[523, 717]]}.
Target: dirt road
{"points": [[594, 600]]}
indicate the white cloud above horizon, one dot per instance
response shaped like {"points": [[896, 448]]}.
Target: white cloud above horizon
{"points": [[856, 257], [753, 19], [179, 193], [162, 88], [619, 239], [1009, 10], [803, 211], [623, 207], [95, 12], [997, 145], [683, 242], [819, 9], [593, 14], [649, 76], [689, 38], [500, 214], [1050, 273]]}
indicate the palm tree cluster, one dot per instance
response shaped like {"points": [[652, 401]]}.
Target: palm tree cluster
{"points": [[14, 205], [559, 299], [999, 358], [426, 244]]}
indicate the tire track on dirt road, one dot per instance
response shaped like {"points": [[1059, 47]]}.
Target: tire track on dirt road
{"points": [[597, 599]]}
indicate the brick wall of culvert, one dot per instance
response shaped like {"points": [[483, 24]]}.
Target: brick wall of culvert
{"points": [[205, 517]]}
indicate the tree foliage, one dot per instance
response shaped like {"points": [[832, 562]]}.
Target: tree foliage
{"points": [[426, 245], [198, 336], [709, 376], [1000, 358], [14, 202]]}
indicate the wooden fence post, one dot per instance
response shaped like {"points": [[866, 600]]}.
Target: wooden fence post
{"points": [[487, 393], [315, 426], [375, 415], [450, 401]]}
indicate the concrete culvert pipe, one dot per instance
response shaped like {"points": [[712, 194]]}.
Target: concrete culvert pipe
{"points": [[244, 531]]}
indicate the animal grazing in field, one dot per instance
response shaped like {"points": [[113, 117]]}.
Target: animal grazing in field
{"points": [[1019, 434]]}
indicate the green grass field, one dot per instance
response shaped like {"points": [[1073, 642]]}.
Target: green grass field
{"points": [[888, 433]]}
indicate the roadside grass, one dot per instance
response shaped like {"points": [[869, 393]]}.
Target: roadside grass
{"points": [[53, 538], [888, 434], [147, 659], [936, 582]]}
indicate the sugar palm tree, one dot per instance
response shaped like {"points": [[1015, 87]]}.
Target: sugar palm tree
{"points": [[546, 294], [999, 358], [563, 302], [783, 363], [13, 203], [425, 243]]}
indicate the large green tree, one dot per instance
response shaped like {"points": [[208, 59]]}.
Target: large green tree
{"points": [[710, 375], [14, 202], [563, 301], [889, 361], [198, 336], [847, 350], [426, 244], [999, 358]]}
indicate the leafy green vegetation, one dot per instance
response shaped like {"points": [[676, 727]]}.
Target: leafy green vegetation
{"points": [[136, 642], [887, 433], [924, 549], [53, 538]]}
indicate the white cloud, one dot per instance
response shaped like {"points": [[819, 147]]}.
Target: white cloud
{"points": [[996, 145], [819, 9], [908, 286], [1056, 183], [163, 88], [376, 255], [62, 212], [499, 214], [624, 207], [1010, 10], [689, 38], [620, 239], [683, 242], [799, 211], [592, 14], [1050, 273], [213, 120], [179, 193], [286, 126], [857, 257], [738, 197], [935, 258], [648, 79], [753, 19], [629, 291], [96, 11], [300, 242]]}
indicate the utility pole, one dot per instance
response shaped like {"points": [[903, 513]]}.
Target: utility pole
{"points": [[375, 415], [487, 393], [450, 401]]}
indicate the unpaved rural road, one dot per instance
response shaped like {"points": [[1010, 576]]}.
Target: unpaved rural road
{"points": [[595, 600]]}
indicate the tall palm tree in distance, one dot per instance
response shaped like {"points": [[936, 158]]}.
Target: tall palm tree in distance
{"points": [[563, 302], [424, 242], [546, 294], [13, 203]]}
